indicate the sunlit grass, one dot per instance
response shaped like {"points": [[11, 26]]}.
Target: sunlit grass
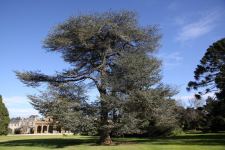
{"points": [[213, 141]]}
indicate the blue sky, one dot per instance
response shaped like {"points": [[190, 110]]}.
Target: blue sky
{"points": [[188, 28]]}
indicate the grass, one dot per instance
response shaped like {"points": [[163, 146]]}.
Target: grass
{"points": [[212, 141]]}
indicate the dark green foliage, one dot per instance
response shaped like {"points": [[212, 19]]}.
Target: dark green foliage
{"points": [[154, 111], [67, 105], [141, 104], [134, 71], [92, 44], [4, 118], [217, 124], [215, 115], [116, 54], [210, 76], [192, 118]]}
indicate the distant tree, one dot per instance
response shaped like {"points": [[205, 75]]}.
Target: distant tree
{"points": [[210, 76], [215, 114], [194, 119], [4, 118], [93, 45]]}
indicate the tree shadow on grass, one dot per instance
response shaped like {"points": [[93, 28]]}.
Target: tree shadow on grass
{"points": [[200, 139], [50, 143]]}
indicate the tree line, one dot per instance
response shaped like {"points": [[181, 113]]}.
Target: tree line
{"points": [[4, 118]]}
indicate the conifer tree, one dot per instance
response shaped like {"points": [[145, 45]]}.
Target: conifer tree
{"points": [[4, 118], [95, 45]]}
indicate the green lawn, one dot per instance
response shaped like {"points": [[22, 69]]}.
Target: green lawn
{"points": [[211, 141]]}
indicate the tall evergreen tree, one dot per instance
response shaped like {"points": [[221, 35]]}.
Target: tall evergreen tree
{"points": [[210, 76], [92, 44], [4, 118]]}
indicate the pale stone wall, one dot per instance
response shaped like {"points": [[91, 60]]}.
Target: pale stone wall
{"points": [[35, 126]]}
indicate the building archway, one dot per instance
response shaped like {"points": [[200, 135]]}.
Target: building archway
{"points": [[58, 129], [45, 129], [31, 130], [38, 129], [50, 130]]}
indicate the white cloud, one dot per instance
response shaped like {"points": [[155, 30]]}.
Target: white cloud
{"points": [[181, 20], [19, 106], [22, 112], [15, 100], [203, 25], [171, 60], [190, 100], [173, 6], [191, 96]]}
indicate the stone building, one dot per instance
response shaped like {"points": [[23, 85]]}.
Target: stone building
{"points": [[34, 125]]}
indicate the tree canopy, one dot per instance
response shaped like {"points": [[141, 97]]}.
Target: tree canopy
{"points": [[4, 118], [210, 78], [92, 43], [210, 73], [114, 52], [67, 105]]}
